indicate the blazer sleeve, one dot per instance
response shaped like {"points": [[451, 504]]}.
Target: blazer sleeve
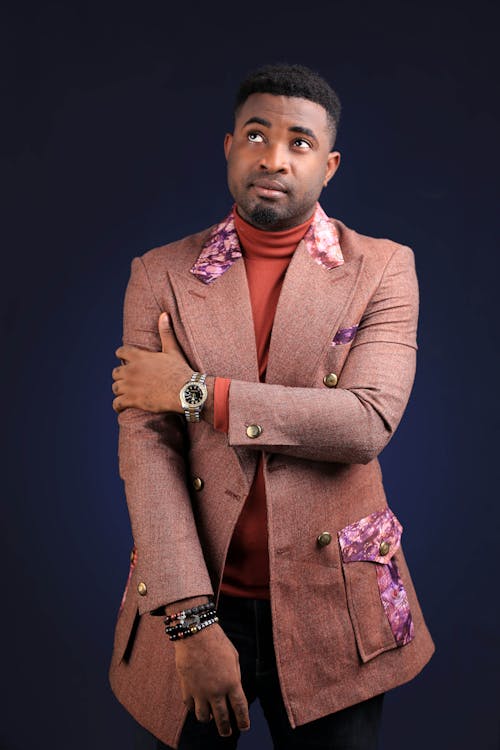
{"points": [[353, 422], [152, 465]]}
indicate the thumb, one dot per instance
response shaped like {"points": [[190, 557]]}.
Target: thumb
{"points": [[166, 333]]}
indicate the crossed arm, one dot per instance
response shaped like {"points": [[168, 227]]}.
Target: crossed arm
{"points": [[349, 424]]}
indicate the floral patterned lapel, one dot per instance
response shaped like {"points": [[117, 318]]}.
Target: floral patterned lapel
{"points": [[222, 248]]}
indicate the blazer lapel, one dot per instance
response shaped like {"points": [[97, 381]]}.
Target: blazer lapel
{"points": [[218, 321], [312, 300]]}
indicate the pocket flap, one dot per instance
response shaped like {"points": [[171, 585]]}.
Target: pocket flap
{"points": [[375, 537]]}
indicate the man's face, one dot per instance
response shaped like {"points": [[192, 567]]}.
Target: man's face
{"points": [[279, 159]]}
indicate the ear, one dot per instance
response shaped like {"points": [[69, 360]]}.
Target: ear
{"points": [[332, 164], [228, 140]]}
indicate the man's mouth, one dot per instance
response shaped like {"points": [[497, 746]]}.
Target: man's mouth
{"points": [[266, 188]]}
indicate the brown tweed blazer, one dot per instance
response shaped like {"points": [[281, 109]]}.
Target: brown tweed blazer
{"points": [[322, 474]]}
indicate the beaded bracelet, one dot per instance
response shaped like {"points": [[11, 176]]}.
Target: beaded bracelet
{"points": [[187, 622], [179, 632], [190, 622], [187, 632], [188, 612]]}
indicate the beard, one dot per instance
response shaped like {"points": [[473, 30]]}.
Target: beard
{"points": [[274, 215], [264, 216]]}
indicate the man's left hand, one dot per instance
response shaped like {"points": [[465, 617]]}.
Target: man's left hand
{"points": [[151, 380]]}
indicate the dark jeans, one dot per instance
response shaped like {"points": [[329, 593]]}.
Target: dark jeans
{"points": [[247, 622]]}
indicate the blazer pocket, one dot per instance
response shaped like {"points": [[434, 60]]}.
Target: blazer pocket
{"points": [[376, 596]]}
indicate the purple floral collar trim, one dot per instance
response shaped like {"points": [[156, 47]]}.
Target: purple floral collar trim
{"points": [[222, 248]]}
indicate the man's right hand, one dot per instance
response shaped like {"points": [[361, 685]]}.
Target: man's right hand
{"points": [[209, 672]]}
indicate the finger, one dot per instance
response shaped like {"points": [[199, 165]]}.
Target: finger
{"points": [[202, 711], [221, 716], [118, 404], [116, 387], [239, 704], [127, 351], [117, 373], [167, 335], [120, 352]]}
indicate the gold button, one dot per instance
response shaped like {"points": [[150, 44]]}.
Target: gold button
{"points": [[142, 589], [324, 539], [254, 430], [132, 554], [198, 483], [330, 380], [384, 548]]}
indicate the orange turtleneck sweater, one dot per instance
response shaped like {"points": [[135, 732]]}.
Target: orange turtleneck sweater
{"points": [[266, 256]]}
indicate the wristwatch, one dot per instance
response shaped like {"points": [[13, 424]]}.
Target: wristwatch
{"points": [[193, 395]]}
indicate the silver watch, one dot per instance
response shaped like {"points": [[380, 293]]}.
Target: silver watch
{"points": [[193, 396]]}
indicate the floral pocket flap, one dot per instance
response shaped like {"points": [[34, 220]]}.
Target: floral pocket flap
{"points": [[375, 537]]}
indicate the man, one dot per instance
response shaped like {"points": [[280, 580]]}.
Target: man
{"points": [[266, 362]]}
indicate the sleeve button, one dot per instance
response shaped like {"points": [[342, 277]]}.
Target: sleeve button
{"points": [[142, 588], [254, 430]]}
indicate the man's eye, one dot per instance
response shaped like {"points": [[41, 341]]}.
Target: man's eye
{"points": [[301, 143], [254, 137]]}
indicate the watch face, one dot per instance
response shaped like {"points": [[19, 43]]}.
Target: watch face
{"points": [[193, 394]]}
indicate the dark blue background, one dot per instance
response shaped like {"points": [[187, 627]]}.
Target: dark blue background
{"points": [[113, 118]]}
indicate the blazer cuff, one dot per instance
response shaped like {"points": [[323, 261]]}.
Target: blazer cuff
{"points": [[221, 404]]}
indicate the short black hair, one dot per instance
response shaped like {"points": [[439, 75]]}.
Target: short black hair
{"points": [[283, 79]]}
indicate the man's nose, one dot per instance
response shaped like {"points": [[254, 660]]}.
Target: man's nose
{"points": [[275, 158]]}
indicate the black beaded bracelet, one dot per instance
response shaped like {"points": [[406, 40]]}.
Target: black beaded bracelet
{"points": [[187, 632], [190, 622], [188, 612]]}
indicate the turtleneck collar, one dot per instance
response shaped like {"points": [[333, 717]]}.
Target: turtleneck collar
{"points": [[259, 243]]}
